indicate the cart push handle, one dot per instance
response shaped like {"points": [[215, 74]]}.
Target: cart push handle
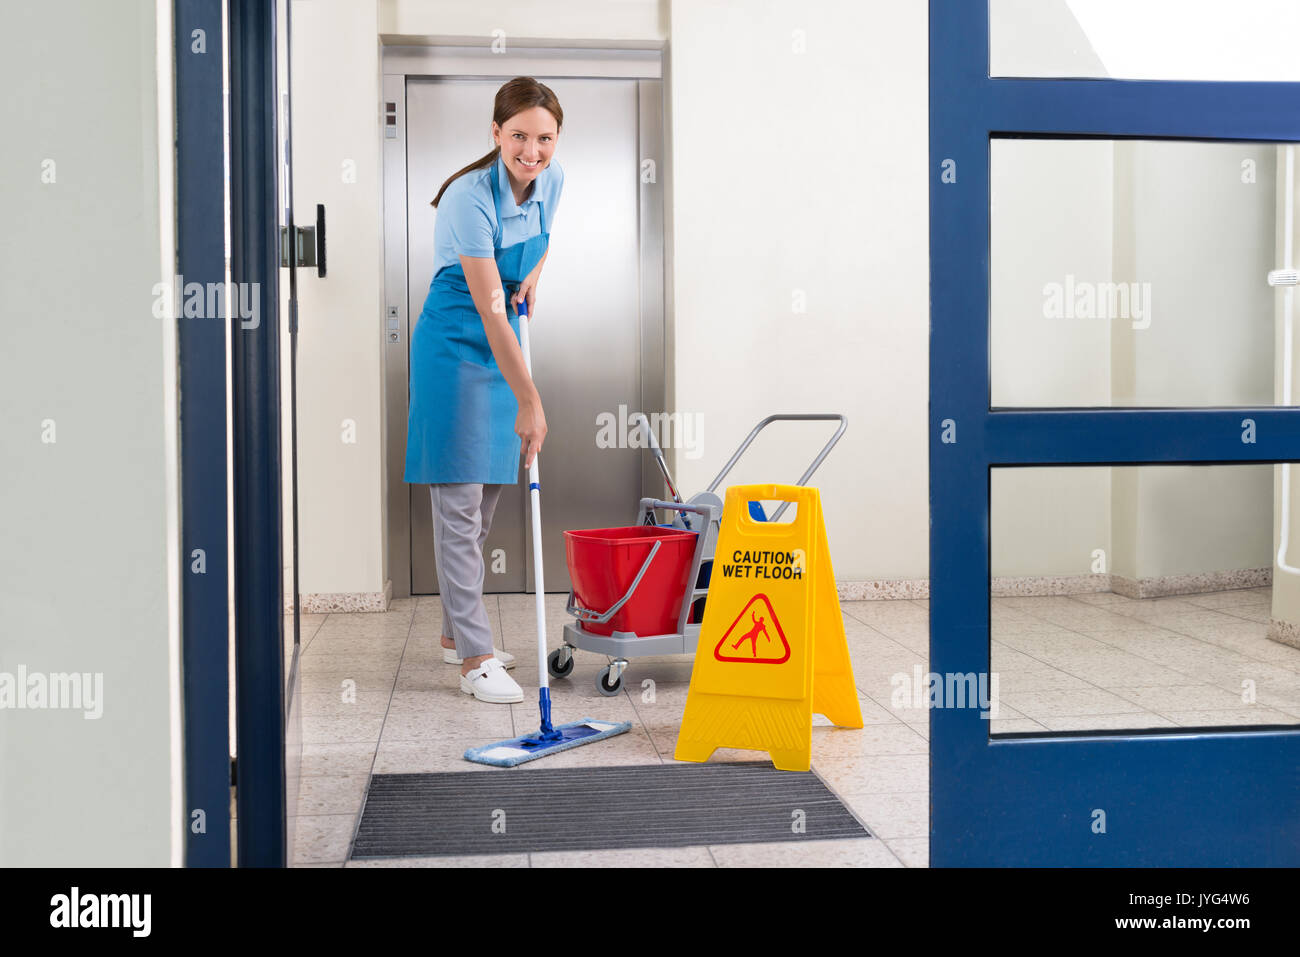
{"points": [[788, 417], [648, 506]]}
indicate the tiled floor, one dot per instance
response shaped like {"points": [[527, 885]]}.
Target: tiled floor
{"points": [[1103, 661], [377, 698]]}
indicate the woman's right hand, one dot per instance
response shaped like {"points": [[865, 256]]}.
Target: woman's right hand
{"points": [[530, 426]]}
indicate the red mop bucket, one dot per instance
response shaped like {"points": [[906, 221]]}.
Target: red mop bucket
{"points": [[603, 563]]}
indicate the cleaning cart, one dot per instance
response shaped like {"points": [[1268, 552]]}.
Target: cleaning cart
{"points": [[640, 590]]}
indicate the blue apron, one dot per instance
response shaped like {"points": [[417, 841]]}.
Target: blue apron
{"points": [[461, 426]]}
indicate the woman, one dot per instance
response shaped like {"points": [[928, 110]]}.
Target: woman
{"points": [[474, 408]]}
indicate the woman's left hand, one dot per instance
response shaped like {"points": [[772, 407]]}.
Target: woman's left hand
{"points": [[528, 289]]}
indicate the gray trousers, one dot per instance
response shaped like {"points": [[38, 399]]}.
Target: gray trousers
{"points": [[462, 518]]}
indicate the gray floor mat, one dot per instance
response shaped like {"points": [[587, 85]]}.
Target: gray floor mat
{"points": [[573, 809]]}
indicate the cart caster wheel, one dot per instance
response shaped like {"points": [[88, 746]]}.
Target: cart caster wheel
{"points": [[604, 686], [554, 667]]}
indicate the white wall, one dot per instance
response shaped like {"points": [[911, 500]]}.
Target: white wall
{"points": [[1202, 233], [1048, 521], [804, 174], [1050, 215], [88, 567], [336, 152], [1203, 240], [1204, 518], [521, 19], [1039, 38], [1145, 39]]}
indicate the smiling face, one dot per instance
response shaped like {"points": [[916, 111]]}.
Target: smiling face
{"points": [[527, 142]]}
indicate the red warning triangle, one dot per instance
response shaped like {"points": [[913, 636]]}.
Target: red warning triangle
{"points": [[758, 637]]}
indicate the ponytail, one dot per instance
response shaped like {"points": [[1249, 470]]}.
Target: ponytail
{"points": [[483, 163]]}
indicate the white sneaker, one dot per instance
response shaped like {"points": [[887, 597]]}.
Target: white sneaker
{"points": [[489, 682], [450, 657]]}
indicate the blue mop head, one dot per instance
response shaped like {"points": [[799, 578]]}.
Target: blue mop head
{"points": [[527, 747]]}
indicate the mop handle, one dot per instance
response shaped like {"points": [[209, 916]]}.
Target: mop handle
{"points": [[535, 495]]}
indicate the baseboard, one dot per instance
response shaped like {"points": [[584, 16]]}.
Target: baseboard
{"points": [[884, 589], [1165, 585], [896, 589], [1284, 632], [327, 603], [1032, 586], [1036, 586]]}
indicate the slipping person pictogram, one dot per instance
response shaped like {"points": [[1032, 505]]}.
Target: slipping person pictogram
{"points": [[760, 628], [776, 649]]}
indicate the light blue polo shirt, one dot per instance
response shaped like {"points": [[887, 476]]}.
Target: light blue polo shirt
{"points": [[464, 224]]}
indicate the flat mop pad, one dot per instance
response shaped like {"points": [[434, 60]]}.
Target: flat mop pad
{"points": [[526, 747]]}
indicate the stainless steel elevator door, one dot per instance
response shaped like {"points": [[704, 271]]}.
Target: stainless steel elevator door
{"points": [[586, 340]]}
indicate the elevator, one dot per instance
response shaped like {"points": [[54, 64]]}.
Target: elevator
{"points": [[598, 341]]}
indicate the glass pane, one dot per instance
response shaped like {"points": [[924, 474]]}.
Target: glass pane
{"points": [[1212, 40], [288, 424], [289, 528], [1141, 273], [1144, 597]]}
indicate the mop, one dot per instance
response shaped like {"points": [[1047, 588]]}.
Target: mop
{"points": [[549, 739]]}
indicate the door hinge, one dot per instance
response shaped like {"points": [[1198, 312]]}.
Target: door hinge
{"points": [[304, 245], [308, 243]]}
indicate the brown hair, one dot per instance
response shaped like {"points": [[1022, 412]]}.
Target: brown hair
{"points": [[521, 93]]}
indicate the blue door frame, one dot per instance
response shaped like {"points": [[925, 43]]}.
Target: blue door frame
{"points": [[260, 705], [201, 345], [1187, 798], [255, 395]]}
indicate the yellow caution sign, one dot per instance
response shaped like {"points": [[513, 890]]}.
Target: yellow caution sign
{"points": [[772, 650]]}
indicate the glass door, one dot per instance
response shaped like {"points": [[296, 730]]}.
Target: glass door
{"points": [[288, 318], [1115, 604]]}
